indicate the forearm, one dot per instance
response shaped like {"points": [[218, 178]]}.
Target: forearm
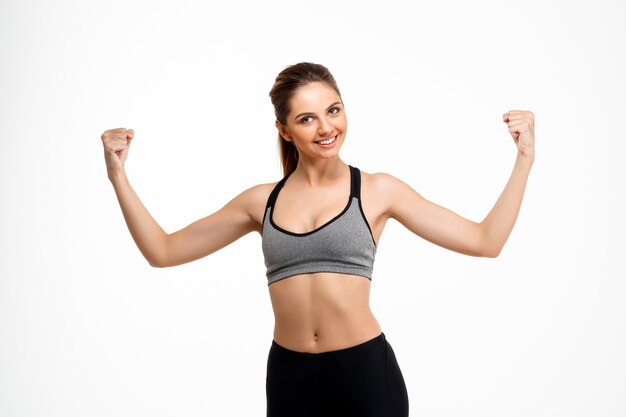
{"points": [[148, 235], [498, 224]]}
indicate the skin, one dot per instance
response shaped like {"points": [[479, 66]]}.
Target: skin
{"points": [[323, 311]]}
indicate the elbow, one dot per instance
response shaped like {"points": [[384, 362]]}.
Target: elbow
{"points": [[157, 259], [488, 248], [490, 252], [157, 262]]}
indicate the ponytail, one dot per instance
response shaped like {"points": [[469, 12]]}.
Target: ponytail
{"points": [[288, 155]]}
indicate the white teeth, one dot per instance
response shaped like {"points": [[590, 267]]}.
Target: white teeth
{"points": [[328, 141]]}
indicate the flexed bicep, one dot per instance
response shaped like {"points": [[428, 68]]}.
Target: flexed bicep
{"points": [[211, 233], [431, 221]]}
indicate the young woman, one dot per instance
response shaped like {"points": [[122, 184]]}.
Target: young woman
{"points": [[320, 225]]}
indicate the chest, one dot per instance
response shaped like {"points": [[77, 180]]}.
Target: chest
{"points": [[302, 211]]}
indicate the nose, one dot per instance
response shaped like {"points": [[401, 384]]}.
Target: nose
{"points": [[324, 127]]}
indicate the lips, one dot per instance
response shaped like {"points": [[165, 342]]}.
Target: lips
{"points": [[327, 141]]}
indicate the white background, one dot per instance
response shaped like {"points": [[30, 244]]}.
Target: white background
{"points": [[88, 328]]}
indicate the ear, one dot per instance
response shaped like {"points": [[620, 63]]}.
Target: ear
{"points": [[283, 131]]}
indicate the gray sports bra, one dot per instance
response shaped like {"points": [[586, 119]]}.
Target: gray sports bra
{"points": [[345, 244]]}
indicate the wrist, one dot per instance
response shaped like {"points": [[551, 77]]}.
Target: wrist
{"points": [[526, 158], [117, 176]]}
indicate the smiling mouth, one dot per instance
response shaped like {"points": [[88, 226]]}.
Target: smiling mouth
{"points": [[327, 141]]}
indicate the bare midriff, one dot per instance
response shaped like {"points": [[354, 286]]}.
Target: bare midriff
{"points": [[322, 312]]}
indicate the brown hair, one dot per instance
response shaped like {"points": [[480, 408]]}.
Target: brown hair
{"points": [[287, 82]]}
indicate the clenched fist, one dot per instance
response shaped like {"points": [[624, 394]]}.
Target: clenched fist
{"points": [[521, 125], [116, 143]]}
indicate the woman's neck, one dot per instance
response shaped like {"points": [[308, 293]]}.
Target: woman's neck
{"points": [[320, 171]]}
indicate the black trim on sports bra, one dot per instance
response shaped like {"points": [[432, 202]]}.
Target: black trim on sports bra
{"points": [[355, 191], [347, 206]]}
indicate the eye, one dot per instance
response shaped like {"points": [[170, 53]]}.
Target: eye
{"points": [[305, 119], [334, 108]]}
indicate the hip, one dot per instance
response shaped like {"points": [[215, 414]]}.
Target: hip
{"points": [[363, 380]]}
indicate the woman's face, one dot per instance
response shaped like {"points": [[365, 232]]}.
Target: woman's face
{"points": [[317, 114]]}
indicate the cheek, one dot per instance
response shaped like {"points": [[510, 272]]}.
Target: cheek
{"points": [[343, 125], [306, 130], [342, 121]]}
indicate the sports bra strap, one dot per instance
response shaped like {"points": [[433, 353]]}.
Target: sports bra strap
{"points": [[274, 194], [355, 186], [355, 182]]}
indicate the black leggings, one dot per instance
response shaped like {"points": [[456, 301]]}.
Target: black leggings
{"points": [[361, 381]]}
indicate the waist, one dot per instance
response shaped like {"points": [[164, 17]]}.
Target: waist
{"points": [[354, 349], [322, 312], [334, 337]]}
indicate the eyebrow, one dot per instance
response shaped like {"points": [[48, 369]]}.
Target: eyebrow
{"points": [[307, 113]]}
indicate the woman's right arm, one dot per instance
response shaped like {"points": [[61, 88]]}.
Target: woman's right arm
{"points": [[195, 241]]}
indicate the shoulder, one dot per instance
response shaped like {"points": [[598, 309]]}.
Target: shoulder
{"points": [[381, 182], [257, 194], [259, 190], [254, 199], [388, 191]]}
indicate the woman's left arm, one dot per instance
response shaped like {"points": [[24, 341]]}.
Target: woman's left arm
{"points": [[445, 228]]}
